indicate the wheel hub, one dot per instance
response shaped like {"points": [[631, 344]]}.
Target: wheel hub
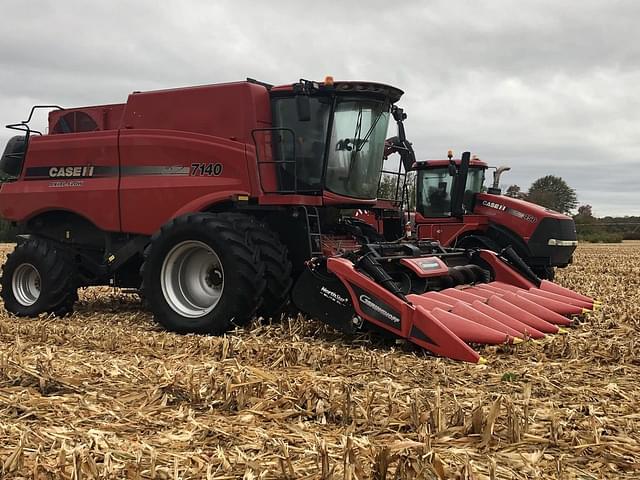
{"points": [[192, 279], [26, 284]]}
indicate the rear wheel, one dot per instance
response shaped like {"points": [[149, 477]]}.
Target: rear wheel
{"points": [[38, 278], [203, 274]]}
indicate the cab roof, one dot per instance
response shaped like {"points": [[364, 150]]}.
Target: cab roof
{"points": [[345, 86], [424, 164]]}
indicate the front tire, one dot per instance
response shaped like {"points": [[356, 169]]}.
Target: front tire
{"points": [[38, 278], [203, 274]]}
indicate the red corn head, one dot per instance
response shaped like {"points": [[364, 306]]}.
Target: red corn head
{"points": [[561, 298], [536, 308], [468, 330], [559, 307], [518, 313], [428, 332], [555, 288], [470, 312], [521, 327]]}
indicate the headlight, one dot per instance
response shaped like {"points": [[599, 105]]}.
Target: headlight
{"points": [[562, 243]]}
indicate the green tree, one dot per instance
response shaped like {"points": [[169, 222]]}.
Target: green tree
{"points": [[387, 189], [514, 191], [554, 193], [584, 215]]}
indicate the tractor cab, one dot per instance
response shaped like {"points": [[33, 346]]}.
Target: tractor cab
{"points": [[327, 139], [448, 188], [441, 189]]}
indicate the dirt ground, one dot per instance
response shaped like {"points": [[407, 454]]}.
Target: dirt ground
{"points": [[106, 393]]}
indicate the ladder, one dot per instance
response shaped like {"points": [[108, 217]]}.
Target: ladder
{"points": [[312, 218]]}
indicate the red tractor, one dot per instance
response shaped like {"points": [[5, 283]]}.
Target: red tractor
{"points": [[454, 207], [213, 200]]}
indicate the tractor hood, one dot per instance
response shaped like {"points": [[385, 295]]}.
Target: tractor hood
{"points": [[546, 233], [492, 205]]}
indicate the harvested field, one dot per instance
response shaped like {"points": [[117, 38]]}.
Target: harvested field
{"points": [[106, 393]]}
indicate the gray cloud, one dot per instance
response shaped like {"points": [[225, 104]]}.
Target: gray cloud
{"points": [[545, 86]]}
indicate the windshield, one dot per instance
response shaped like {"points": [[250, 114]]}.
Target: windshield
{"points": [[356, 147], [434, 191]]}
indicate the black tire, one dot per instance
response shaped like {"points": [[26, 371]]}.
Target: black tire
{"points": [[228, 236], [55, 275], [478, 241], [277, 272], [544, 272]]}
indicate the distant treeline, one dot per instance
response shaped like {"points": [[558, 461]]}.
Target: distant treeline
{"points": [[605, 229]]}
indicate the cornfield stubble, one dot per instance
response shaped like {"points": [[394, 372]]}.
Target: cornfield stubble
{"points": [[107, 393]]}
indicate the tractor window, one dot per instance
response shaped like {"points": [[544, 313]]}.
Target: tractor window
{"points": [[310, 138], [434, 192], [356, 147], [475, 182]]}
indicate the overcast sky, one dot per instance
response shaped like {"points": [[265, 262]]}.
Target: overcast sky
{"points": [[547, 87]]}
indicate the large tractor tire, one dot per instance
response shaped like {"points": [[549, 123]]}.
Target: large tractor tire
{"points": [[544, 272], [202, 273], [274, 256], [277, 273], [478, 241], [38, 278], [481, 241]]}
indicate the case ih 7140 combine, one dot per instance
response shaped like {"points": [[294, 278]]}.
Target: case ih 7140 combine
{"points": [[219, 202]]}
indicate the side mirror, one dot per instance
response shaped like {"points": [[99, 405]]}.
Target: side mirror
{"points": [[303, 108]]}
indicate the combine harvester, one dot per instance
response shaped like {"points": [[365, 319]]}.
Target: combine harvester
{"points": [[220, 202]]}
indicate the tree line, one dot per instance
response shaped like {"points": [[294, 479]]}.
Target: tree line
{"points": [[554, 193]]}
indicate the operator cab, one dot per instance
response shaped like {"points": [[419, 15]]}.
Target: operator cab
{"points": [[327, 137], [438, 183]]}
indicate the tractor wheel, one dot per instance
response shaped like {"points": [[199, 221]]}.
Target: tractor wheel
{"points": [[202, 273], [38, 278], [478, 241], [277, 273], [545, 272]]}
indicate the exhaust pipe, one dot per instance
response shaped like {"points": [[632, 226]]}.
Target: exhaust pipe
{"points": [[495, 188]]}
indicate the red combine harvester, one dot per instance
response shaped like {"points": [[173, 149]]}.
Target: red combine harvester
{"points": [[213, 200], [454, 207]]}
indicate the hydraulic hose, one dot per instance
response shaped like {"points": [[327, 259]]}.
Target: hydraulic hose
{"points": [[375, 270], [510, 255]]}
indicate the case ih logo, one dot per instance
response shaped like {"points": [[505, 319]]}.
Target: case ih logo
{"points": [[70, 172], [494, 205]]}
